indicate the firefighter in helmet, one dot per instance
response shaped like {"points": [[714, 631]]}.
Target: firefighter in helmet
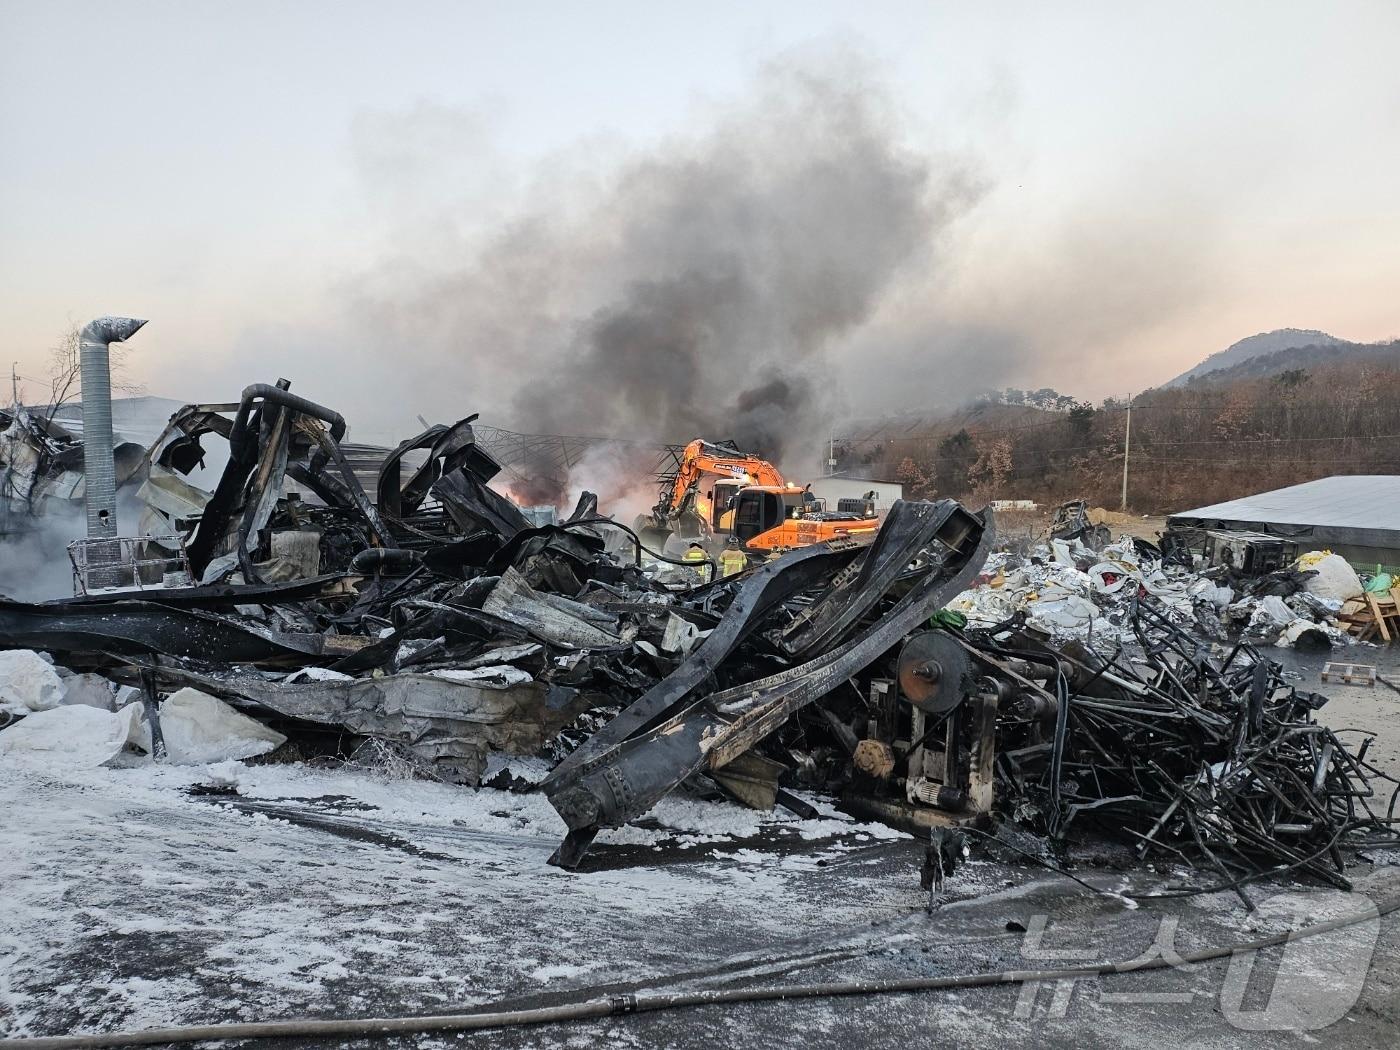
{"points": [[733, 559], [697, 558]]}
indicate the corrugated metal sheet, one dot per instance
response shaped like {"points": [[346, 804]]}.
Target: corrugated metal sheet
{"points": [[365, 461], [138, 419], [1358, 501], [1360, 511]]}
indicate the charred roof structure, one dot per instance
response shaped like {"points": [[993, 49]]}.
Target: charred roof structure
{"points": [[39, 461]]}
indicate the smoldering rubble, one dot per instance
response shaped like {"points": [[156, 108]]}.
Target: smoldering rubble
{"points": [[40, 461], [336, 595]]}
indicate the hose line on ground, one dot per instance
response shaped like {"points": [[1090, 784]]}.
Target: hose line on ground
{"points": [[629, 1004], [637, 540]]}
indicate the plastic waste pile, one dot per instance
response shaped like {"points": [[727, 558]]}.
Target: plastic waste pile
{"points": [[1068, 591]]}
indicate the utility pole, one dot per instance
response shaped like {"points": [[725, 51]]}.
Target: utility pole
{"points": [[831, 456], [1127, 433], [14, 383]]}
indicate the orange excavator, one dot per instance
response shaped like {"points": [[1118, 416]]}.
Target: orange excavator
{"points": [[717, 491]]}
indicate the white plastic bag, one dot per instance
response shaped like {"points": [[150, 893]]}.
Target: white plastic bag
{"points": [[1335, 579], [74, 736], [28, 682], [200, 728]]}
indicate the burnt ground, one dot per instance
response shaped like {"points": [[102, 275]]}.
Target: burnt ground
{"points": [[283, 891]]}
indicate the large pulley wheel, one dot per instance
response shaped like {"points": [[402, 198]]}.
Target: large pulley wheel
{"points": [[933, 672]]}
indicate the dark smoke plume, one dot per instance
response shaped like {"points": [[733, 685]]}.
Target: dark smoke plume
{"points": [[701, 289], [760, 411], [743, 253]]}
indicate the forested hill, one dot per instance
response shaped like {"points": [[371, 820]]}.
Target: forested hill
{"points": [[1258, 346], [1191, 445], [1311, 357]]}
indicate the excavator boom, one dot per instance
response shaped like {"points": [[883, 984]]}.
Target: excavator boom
{"points": [[718, 490], [702, 458]]}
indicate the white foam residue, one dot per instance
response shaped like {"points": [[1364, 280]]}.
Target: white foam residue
{"points": [[72, 736]]}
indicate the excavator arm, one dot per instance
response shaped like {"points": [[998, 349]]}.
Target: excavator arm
{"points": [[703, 459], [683, 509]]}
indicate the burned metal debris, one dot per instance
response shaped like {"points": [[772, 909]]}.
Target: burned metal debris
{"points": [[344, 592], [820, 647], [39, 460], [1213, 761]]}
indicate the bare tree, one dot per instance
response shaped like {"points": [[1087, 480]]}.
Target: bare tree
{"points": [[910, 475], [65, 371]]}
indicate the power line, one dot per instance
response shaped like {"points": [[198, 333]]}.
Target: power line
{"points": [[1146, 450], [1275, 441], [1145, 447], [974, 430], [1393, 457]]}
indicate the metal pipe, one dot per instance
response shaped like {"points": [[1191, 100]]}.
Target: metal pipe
{"points": [[267, 392], [95, 374], [385, 561]]}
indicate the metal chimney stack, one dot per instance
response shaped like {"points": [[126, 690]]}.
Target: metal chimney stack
{"points": [[100, 485]]}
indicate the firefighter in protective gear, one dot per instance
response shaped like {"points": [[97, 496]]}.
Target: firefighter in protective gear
{"points": [[732, 560], [696, 557]]}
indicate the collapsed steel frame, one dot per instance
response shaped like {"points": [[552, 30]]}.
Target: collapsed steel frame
{"points": [[604, 788], [548, 630]]}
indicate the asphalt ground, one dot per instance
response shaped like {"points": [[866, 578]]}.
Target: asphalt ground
{"points": [[142, 897]]}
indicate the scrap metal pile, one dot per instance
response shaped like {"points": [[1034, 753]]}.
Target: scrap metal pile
{"points": [[1217, 762], [436, 616], [423, 609]]}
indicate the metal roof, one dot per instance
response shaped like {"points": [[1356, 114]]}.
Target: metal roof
{"points": [[139, 419], [1357, 501], [1351, 508]]}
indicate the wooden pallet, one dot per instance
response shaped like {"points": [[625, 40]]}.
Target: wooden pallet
{"points": [[1369, 615], [1350, 674]]}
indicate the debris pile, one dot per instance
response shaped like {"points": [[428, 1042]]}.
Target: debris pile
{"points": [[435, 615], [1216, 762], [39, 462], [1068, 591], [344, 594]]}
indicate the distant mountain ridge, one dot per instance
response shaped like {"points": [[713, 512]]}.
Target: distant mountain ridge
{"points": [[1384, 355], [1265, 343]]}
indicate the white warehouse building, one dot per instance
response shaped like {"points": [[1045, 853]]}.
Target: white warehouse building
{"points": [[840, 486]]}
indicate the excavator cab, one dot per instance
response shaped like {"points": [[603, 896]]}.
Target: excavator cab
{"points": [[759, 509], [767, 518], [718, 490], [722, 499]]}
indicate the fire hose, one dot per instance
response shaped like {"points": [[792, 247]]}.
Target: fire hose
{"points": [[635, 1004], [640, 546]]}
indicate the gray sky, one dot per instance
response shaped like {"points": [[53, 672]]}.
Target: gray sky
{"points": [[277, 186]]}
